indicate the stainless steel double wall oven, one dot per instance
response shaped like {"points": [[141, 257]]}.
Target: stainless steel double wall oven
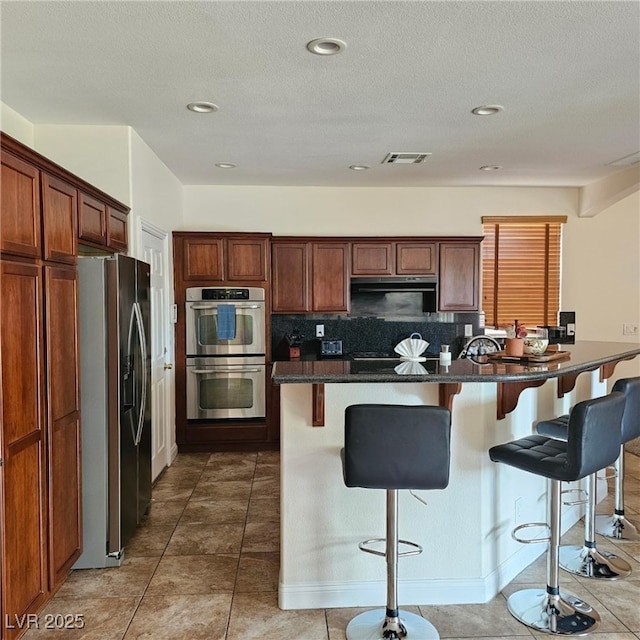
{"points": [[225, 346]]}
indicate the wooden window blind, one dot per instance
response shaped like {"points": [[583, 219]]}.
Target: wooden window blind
{"points": [[521, 269]]}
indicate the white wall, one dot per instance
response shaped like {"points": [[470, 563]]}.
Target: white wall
{"points": [[13, 124], [97, 154], [365, 211]]}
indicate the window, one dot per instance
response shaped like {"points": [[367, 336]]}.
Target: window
{"points": [[521, 269]]}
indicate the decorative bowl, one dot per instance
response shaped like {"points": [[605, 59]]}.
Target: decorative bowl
{"points": [[536, 343]]}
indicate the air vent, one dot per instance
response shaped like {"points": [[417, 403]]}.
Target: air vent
{"points": [[405, 157]]}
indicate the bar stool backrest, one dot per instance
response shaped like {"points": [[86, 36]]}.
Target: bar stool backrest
{"points": [[593, 439], [631, 418], [396, 446]]}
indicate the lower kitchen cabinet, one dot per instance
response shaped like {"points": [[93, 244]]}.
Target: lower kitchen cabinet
{"points": [[41, 533], [63, 421], [23, 516]]}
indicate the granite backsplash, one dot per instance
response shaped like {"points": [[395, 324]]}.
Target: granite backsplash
{"points": [[374, 334]]}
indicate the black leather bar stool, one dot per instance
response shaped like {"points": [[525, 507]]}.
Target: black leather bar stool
{"points": [[587, 560], [591, 444], [394, 447], [617, 526]]}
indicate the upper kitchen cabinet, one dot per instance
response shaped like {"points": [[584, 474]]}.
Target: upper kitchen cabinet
{"points": [[329, 277], [20, 227], [59, 220], [310, 277], [217, 257], [459, 276], [407, 258], [102, 225]]}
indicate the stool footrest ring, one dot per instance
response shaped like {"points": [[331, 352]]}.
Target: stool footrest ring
{"points": [[365, 546], [531, 540]]}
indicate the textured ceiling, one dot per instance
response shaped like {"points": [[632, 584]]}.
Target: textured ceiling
{"points": [[566, 72]]}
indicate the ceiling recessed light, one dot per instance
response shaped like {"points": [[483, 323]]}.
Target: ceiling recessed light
{"points": [[225, 165], [490, 167], [326, 46], [487, 110], [359, 167], [202, 107]]}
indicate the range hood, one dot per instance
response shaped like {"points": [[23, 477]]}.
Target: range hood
{"points": [[393, 284], [393, 297]]}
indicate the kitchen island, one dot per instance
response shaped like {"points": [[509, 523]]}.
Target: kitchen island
{"points": [[466, 528]]}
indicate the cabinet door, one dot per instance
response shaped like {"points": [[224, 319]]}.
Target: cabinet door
{"points": [[290, 281], [330, 277], [203, 259], [20, 224], [416, 258], [92, 219], [459, 277], [59, 219], [63, 421], [246, 259], [117, 237], [23, 515], [372, 258]]}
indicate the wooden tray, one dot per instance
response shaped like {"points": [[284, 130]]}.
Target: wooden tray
{"points": [[547, 356]]}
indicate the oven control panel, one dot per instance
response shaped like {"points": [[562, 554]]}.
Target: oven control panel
{"points": [[198, 294]]}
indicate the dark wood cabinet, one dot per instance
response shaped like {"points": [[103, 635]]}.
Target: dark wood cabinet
{"points": [[290, 277], [459, 276], [117, 234], [310, 277], [20, 228], [387, 258], [63, 420], [59, 220], [416, 258], [22, 476], [330, 277], [372, 258], [217, 257]]}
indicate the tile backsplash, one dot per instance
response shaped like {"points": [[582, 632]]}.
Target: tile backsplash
{"points": [[375, 334]]}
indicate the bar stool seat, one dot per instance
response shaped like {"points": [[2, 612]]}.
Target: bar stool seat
{"points": [[394, 447], [593, 440]]}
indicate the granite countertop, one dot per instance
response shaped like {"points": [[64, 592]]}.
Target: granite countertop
{"points": [[582, 356]]}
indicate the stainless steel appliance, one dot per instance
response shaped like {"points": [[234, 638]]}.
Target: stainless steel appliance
{"points": [[116, 408], [226, 346], [226, 387], [244, 309]]}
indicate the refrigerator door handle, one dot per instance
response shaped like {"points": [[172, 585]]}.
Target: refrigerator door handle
{"points": [[143, 354]]}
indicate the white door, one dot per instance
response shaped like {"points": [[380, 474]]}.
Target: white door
{"points": [[154, 245]]}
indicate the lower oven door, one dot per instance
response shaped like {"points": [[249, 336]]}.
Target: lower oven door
{"points": [[219, 388]]}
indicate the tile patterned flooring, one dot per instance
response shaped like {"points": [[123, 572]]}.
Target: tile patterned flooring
{"points": [[204, 565]]}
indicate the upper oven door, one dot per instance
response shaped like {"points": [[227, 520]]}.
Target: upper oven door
{"points": [[232, 326]]}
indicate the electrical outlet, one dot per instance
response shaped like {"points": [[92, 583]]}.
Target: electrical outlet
{"points": [[468, 330], [630, 329], [319, 331]]}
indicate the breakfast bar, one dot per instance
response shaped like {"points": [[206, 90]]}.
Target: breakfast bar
{"points": [[465, 529]]}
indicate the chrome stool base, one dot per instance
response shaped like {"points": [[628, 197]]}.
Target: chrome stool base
{"points": [[592, 563], [376, 625], [617, 527], [560, 615]]}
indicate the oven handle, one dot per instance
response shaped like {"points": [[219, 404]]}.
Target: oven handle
{"points": [[199, 307], [223, 370]]}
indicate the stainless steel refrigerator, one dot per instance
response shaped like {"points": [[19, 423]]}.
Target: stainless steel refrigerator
{"points": [[115, 405]]}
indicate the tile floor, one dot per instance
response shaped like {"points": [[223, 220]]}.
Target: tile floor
{"points": [[204, 565]]}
